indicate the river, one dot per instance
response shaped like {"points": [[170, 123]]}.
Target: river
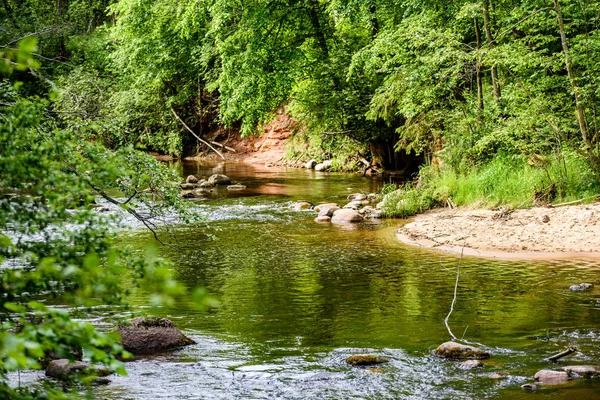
{"points": [[297, 298]]}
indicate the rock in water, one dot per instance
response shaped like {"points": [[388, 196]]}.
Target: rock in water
{"points": [[550, 376], [323, 218], [346, 216], [218, 179], [151, 335], [65, 369], [529, 386], [357, 197], [584, 371], [311, 164], [365, 359], [581, 287], [327, 209], [191, 179], [459, 351], [303, 205], [470, 364]]}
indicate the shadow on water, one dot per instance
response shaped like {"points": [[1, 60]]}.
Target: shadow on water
{"points": [[297, 298]]}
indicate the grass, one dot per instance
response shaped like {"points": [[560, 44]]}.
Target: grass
{"points": [[505, 181]]}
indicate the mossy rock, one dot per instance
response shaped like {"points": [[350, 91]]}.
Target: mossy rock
{"points": [[365, 359], [457, 351]]}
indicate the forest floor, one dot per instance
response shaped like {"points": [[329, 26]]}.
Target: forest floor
{"points": [[538, 232]]}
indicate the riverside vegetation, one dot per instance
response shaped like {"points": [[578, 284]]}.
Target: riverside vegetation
{"points": [[497, 102]]}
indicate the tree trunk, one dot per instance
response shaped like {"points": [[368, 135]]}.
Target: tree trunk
{"points": [[492, 42], [478, 73], [313, 12], [10, 13], [565, 47], [374, 22]]}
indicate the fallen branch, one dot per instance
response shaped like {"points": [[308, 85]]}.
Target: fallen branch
{"points": [[570, 350], [196, 136], [231, 149], [573, 202], [455, 292]]}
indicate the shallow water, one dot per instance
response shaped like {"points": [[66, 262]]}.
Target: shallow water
{"points": [[296, 298]]}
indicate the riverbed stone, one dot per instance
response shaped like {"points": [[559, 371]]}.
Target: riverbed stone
{"points": [[327, 209], [459, 351], [583, 371], [470, 364], [550, 376], [151, 335], [64, 369], [346, 216], [303, 205], [311, 164], [219, 179], [356, 204], [365, 359], [188, 186], [323, 218], [237, 186], [357, 197], [191, 179], [581, 287]]}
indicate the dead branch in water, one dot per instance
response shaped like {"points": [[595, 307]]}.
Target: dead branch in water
{"points": [[570, 350], [455, 293], [196, 136], [231, 149]]}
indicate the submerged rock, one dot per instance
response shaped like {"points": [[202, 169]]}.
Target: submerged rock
{"points": [[311, 164], [191, 179], [219, 179], [529, 386], [365, 359], [327, 209], [470, 364], [346, 216], [303, 205], [65, 369], [581, 287], [237, 186], [323, 218], [151, 335], [550, 376], [459, 351], [583, 371]]}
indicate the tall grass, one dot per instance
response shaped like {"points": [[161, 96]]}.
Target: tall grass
{"points": [[506, 180]]}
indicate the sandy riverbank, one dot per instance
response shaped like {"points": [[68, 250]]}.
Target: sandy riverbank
{"points": [[539, 232]]}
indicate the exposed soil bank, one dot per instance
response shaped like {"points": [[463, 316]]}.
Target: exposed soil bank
{"points": [[539, 232]]}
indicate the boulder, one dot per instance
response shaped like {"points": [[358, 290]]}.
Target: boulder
{"points": [[365, 359], [237, 186], [151, 335], [191, 179], [327, 209], [459, 351], [219, 179], [357, 196], [470, 364], [356, 204], [311, 164], [346, 216], [303, 205], [323, 218], [324, 166], [583, 371], [64, 369], [581, 287], [550, 376]]}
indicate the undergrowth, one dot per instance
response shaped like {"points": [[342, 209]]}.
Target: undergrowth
{"points": [[511, 181]]}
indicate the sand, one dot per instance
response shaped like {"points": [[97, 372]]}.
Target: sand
{"points": [[540, 232]]}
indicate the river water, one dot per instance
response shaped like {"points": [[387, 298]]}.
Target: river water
{"points": [[297, 298]]}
